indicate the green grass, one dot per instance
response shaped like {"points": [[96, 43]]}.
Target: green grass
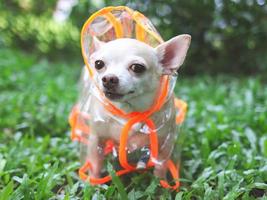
{"points": [[224, 154]]}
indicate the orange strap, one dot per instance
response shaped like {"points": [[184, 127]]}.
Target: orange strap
{"points": [[94, 181], [128, 168], [170, 165], [124, 138], [175, 175]]}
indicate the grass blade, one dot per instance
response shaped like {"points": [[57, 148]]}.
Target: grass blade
{"points": [[116, 180]]}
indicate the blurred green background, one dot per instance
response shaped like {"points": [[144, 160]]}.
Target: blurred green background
{"points": [[223, 80], [227, 36]]}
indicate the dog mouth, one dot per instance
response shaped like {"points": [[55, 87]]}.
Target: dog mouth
{"points": [[114, 95]]}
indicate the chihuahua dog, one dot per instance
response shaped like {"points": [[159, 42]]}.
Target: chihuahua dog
{"points": [[128, 73]]}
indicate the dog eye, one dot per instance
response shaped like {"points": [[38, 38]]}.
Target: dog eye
{"points": [[137, 68], [99, 64]]}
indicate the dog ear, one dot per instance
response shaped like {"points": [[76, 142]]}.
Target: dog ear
{"points": [[173, 52], [97, 43]]}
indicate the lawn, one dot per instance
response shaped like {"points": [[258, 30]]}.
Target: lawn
{"points": [[224, 153]]}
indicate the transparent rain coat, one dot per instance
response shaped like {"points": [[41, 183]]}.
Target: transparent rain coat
{"points": [[159, 123]]}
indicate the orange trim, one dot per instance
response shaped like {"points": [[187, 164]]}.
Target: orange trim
{"points": [[94, 181], [137, 16], [115, 23], [175, 174], [182, 107], [123, 144], [140, 33]]}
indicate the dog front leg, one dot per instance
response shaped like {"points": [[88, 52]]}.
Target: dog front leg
{"points": [[160, 169], [95, 155]]}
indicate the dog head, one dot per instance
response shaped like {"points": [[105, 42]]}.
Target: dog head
{"points": [[127, 70]]}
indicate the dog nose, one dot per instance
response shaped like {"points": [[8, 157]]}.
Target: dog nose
{"points": [[110, 81]]}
